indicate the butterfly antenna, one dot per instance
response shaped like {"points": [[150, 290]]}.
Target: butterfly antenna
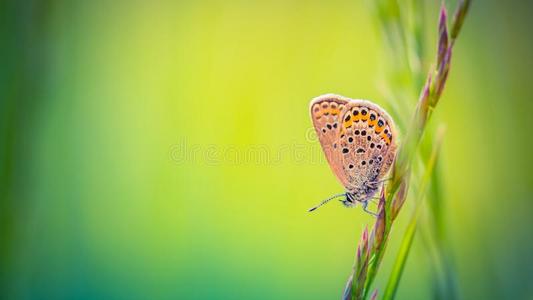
{"points": [[326, 201]]}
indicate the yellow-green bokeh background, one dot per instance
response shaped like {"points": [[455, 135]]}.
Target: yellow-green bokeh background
{"points": [[97, 203]]}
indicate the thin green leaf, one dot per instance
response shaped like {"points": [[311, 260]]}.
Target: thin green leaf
{"points": [[397, 270]]}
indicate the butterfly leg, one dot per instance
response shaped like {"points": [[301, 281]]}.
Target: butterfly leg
{"points": [[365, 204], [374, 200], [380, 181]]}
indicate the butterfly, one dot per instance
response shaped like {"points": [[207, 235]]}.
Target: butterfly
{"points": [[358, 139]]}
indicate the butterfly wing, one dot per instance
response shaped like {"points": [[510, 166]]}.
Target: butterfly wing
{"points": [[357, 137], [326, 112], [367, 142]]}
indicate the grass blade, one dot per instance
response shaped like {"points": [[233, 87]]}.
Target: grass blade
{"points": [[407, 241]]}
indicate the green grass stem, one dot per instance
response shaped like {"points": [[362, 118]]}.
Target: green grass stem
{"points": [[399, 264]]}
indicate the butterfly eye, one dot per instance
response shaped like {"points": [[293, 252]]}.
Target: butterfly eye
{"points": [[386, 131], [356, 132], [350, 166], [372, 117], [363, 133], [350, 139], [364, 112], [363, 163], [345, 150], [380, 123], [355, 112], [347, 118]]}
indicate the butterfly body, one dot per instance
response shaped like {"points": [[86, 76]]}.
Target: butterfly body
{"points": [[358, 139]]}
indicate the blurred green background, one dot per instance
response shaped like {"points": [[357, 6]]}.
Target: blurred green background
{"points": [[161, 150]]}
